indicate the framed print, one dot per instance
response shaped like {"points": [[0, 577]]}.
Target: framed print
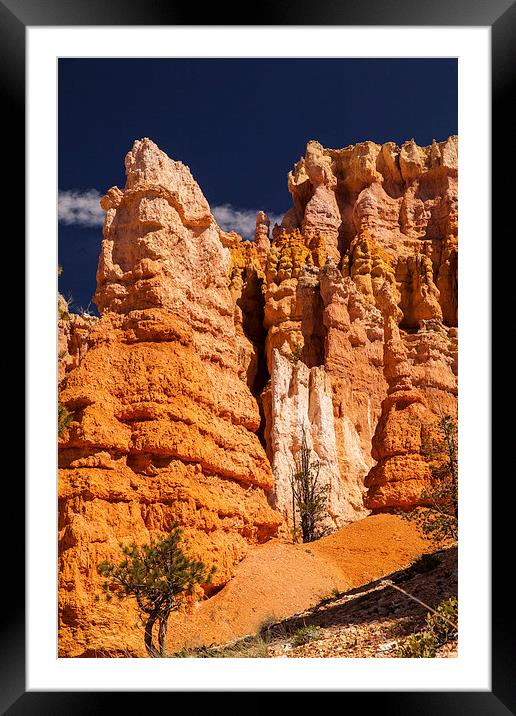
{"points": [[258, 351]]}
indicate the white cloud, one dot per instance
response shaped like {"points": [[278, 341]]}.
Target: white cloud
{"points": [[81, 208], [243, 221]]}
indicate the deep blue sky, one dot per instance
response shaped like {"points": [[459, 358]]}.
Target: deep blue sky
{"points": [[239, 124]]}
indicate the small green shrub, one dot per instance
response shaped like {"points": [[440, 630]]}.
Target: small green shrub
{"points": [[327, 598], [439, 520], [267, 627], [297, 350], [64, 418], [420, 645], [305, 634], [426, 563], [438, 630], [443, 630], [63, 307]]}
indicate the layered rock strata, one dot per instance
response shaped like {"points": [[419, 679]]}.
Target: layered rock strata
{"points": [[367, 221], [213, 356], [165, 425]]}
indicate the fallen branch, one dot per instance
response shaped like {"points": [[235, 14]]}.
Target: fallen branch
{"points": [[388, 583]]}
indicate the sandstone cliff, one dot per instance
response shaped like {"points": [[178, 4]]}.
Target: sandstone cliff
{"points": [[164, 423], [213, 355]]}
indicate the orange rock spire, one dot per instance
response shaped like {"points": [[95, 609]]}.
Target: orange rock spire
{"points": [[213, 355]]}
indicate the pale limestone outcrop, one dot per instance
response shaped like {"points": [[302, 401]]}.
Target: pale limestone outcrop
{"points": [[301, 403], [353, 359]]}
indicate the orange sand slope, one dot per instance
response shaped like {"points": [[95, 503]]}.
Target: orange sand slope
{"points": [[278, 579]]}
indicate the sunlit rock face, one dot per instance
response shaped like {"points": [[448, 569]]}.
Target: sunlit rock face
{"points": [[165, 425], [213, 357], [367, 221]]}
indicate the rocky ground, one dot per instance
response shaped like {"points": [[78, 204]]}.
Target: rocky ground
{"points": [[279, 579], [372, 621]]}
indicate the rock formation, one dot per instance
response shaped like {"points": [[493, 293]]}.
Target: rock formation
{"points": [[368, 221], [164, 424], [261, 238], [73, 331], [212, 356]]}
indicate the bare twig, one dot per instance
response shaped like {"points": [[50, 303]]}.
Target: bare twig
{"points": [[388, 583]]}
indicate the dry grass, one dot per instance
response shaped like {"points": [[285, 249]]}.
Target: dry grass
{"points": [[251, 647]]}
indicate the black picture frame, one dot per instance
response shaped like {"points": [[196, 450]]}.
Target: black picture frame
{"points": [[500, 15]]}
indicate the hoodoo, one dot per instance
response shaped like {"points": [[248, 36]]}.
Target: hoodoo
{"points": [[213, 357]]}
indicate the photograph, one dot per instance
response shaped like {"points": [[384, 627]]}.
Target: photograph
{"points": [[257, 358]]}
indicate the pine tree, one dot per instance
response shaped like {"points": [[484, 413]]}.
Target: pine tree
{"points": [[309, 498], [439, 520], [158, 575]]}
